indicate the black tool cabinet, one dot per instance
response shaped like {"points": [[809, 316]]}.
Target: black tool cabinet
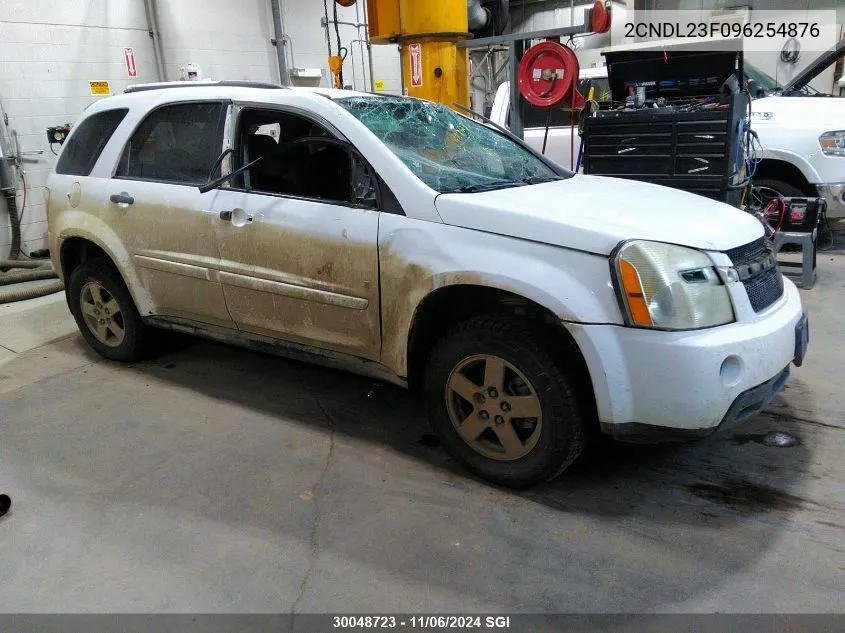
{"points": [[690, 149], [693, 151]]}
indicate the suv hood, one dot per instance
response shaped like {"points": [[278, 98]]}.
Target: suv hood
{"points": [[595, 213], [816, 68]]}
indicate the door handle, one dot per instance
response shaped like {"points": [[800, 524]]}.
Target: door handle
{"points": [[238, 217], [122, 199]]}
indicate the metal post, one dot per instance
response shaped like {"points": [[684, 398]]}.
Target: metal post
{"points": [[402, 69], [515, 121], [279, 31], [158, 51]]}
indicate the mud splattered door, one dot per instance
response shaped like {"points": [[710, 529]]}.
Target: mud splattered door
{"points": [[298, 243]]}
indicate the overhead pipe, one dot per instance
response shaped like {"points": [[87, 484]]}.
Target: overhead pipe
{"points": [[152, 28], [278, 29], [488, 17], [477, 16]]}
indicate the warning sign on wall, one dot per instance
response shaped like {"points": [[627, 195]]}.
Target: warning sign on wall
{"points": [[379, 85], [99, 88], [415, 53], [129, 58]]}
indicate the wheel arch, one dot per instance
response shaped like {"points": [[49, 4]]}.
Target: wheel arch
{"points": [[446, 306], [78, 247], [788, 169]]}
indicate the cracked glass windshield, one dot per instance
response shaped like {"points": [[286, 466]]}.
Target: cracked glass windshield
{"points": [[449, 152]]}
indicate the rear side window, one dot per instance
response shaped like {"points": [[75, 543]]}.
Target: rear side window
{"points": [[177, 143], [85, 145]]}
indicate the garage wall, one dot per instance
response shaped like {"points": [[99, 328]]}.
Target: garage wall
{"points": [[302, 24], [50, 50], [229, 40]]}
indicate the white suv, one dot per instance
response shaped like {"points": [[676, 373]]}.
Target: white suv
{"points": [[398, 239]]}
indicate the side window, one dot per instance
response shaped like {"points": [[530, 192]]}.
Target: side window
{"points": [[176, 143], [299, 157], [87, 142]]}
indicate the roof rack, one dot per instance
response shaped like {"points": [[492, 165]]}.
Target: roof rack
{"points": [[167, 85]]}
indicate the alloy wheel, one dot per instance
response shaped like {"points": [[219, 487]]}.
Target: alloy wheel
{"points": [[102, 314], [493, 407]]}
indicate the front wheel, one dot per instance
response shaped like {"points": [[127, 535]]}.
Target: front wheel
{"points": [[105, 312], [501, 405]]}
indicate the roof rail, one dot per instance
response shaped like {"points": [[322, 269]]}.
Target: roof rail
{"points": [[167, 85]]}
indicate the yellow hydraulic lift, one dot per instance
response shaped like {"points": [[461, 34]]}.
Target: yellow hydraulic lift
{"points": [[433, 66]]}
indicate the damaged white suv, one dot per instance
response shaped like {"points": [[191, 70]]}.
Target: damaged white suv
{"points": [[396, 238]]}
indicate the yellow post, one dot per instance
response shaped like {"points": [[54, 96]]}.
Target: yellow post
{"points": [[434, 67]]}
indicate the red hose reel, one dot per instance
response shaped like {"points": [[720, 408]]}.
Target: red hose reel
{"points": [[548, 74]]}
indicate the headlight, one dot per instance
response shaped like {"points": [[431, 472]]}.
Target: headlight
{"points": [[833, 143], [670, 287]]}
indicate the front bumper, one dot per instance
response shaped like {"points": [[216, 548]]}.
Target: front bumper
{"points": [[747, 405], [834, 194], [684, 384]]}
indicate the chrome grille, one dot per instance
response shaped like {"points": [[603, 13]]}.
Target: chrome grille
{"points": [[765, 286]]}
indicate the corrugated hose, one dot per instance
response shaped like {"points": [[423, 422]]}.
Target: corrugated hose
{"points": [[19, 271]]}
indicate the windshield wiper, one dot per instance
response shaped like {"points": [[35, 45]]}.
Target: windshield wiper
{"points": [[536, 180], [486, 186]]}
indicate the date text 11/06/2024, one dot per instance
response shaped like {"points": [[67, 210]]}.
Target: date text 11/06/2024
{"points": [[436, 622]]}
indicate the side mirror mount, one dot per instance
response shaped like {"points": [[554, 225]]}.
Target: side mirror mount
{"points": [[756, 91]]}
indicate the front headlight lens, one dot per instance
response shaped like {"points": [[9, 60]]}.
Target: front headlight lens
{"points": [[670, 287], [833, 143]]}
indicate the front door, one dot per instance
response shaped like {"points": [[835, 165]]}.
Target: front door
{"points": [[297, 236], [159, 214]]}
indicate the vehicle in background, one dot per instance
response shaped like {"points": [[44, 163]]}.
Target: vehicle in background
{"points": [[561, 144], [395, 238], [801, 130]]}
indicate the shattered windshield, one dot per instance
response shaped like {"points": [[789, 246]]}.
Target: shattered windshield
{"points": [[447, 151]]}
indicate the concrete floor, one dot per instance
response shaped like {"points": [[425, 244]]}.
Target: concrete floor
{"points": [[218, 480]]}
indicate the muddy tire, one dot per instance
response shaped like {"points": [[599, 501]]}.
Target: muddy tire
{"points": [[106, 314], [501, 405]]}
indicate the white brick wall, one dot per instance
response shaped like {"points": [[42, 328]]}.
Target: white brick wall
{"points": [[302, 24], [50, 50], [48, 53]]}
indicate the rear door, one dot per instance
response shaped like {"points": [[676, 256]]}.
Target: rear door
{"points": [[155, 207]]}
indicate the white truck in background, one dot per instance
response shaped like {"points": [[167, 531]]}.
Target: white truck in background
{"points": [[801, 130]]}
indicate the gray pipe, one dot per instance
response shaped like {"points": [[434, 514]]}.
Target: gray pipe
{"points": [[369, 46], [279, 31], [14, 222], [21, 263], [478, 16], [9, 295], [17, 277], [158, 50]]}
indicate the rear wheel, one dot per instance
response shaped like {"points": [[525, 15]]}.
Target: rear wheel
{"points": [[105, 312], [501, 405]]}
